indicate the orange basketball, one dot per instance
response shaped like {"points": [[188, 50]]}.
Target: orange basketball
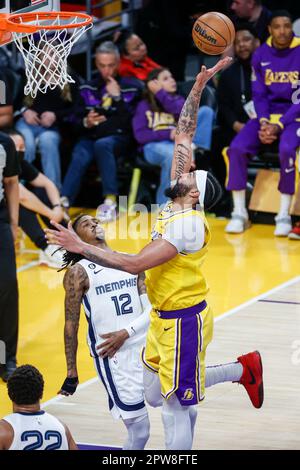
{"points": [[213, 33]]}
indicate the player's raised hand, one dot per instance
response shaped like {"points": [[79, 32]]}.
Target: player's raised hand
{"points": [[65, 237], [206, 74], [114, 341], [69, 386]]}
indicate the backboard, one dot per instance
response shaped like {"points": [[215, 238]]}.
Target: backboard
{"points": [[24, 6]]}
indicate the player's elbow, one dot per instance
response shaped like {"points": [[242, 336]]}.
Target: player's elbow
{"points": [[133, 270], [134, 266]]}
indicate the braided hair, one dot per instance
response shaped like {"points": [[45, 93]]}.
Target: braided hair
{"points": [[69, 259]]}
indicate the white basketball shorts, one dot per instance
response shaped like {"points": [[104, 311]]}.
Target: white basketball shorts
{"points": [[122, 377]]}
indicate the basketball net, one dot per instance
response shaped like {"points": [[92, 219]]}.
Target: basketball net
{"points": [[46, 51]]}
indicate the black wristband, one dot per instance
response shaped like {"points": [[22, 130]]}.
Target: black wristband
{"points": [[70, 385], [56, 205]]}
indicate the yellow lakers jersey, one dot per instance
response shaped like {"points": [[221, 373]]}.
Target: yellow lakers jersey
{"points": [[178, 283]]}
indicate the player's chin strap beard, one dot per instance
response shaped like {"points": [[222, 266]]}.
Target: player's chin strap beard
{"points": [[201, 178]]}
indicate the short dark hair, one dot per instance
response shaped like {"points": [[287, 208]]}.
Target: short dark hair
{"points": [[247, 27], [278, 13], [26, 385]]}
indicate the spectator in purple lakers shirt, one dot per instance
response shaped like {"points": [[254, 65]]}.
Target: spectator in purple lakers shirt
{"points": [[275, 76]]}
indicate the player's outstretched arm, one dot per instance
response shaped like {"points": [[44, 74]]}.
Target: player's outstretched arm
{"points": [[187, 123], [75, 284], [155, 253]]}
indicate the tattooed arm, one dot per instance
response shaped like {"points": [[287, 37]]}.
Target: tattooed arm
{"points": [[76, 283], [187, 123]]}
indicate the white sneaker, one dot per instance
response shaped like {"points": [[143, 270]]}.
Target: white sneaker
{"points": [[283, 225], [107, 212], [237, 224], [52, 258]]}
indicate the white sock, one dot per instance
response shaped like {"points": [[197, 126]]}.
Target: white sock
{"points": [[177, 425], [231, 372], [285, 202], [138, 432], [239, 202]]}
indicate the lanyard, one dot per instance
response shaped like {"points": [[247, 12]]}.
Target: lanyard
{"points": [[243, 86]]}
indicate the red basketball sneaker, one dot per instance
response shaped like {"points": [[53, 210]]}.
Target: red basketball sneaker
{"points": [[295, 232], [252, 377]]}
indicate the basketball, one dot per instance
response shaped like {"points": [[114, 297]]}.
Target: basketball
{"points": [[213, 33]]}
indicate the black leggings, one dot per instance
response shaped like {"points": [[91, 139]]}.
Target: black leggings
{"points": [[8, 287]]}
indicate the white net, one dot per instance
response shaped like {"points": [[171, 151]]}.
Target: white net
{"points": [[46, 52]]}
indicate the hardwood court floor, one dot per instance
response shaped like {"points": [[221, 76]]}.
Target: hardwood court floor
{"points": [[238, 269]]}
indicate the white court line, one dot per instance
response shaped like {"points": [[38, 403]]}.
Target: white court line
{"points": [[27, 266], [221, 317]]}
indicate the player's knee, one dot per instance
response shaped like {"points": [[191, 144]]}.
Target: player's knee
{"points": [[154, 401], [286, 151], [235, 151], [152, 389], [138, 431]]}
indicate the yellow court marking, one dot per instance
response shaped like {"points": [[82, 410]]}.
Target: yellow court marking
{"points": [[237, 268]]}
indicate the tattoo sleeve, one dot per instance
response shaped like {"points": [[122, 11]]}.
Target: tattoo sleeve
{"points": [[75, 284], [185, 131]]}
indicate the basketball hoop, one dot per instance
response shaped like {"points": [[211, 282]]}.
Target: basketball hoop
{"points": [[45, 40]]}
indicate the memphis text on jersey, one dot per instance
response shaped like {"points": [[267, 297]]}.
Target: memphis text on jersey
{"points": [[111, 286]]}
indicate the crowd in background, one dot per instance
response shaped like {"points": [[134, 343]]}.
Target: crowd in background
{"points": [[131, 108]]}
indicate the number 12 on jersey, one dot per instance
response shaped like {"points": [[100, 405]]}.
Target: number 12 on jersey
{"points": [[122, 304]]}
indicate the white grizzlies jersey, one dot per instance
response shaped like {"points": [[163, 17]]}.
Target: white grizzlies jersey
{"points": [[37, 431], [110, 304]]}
